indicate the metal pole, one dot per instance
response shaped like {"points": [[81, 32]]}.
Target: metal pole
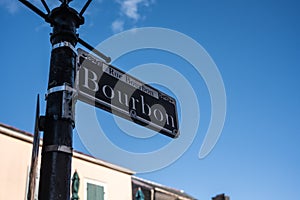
{"points": [[34, 154], [55, 174]]}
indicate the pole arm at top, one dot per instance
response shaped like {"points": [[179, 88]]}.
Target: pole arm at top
{"points": [[85, 7], [34, 9], [45, 6]]}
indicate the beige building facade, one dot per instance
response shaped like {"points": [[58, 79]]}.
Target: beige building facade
{"points": [[97, 178]]}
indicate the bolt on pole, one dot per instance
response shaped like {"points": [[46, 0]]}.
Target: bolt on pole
{"points": [[55, 173]]}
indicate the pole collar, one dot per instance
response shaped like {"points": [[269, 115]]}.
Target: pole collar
{"points": [[64, 44], [60, 88], [59, 148]]}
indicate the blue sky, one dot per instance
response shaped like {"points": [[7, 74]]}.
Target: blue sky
{"points": [[256, 47]]}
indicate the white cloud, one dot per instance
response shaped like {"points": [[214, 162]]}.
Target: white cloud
{"points": [[117, 26], [130, 9]]}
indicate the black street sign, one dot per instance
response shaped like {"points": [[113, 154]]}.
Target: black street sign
{"points": [[111, 89]]}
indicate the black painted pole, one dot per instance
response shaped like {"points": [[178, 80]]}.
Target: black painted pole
{"points": [[55, 173]]}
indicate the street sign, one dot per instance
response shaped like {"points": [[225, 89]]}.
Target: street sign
{"points": [[106, 87]]}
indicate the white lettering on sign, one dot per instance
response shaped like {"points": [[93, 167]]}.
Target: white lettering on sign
{"points": [[119, 97], [130, 81], [132, 99], [90, 80]]}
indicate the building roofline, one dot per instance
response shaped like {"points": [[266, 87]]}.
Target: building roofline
{"points": [[162, 188], [28, 137]]}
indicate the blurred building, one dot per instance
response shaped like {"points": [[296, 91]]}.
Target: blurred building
{"points": [[99, 180], [155, 191], [221, 197]]}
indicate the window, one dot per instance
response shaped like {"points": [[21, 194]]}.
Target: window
{"points": [[95, 191]]}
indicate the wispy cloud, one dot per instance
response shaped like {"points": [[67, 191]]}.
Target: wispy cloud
{"points": [[129, 9], [117, 26], [11, 6]]}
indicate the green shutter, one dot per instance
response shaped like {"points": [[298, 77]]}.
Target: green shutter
{"points": [[95, 192]]}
